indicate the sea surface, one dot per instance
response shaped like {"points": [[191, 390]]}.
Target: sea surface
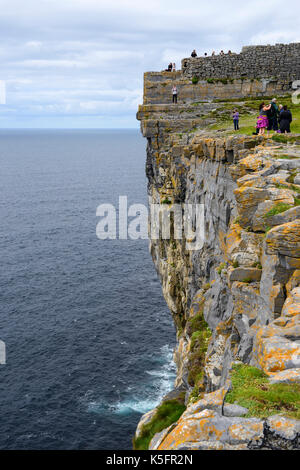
{"points": [[88, 335]]}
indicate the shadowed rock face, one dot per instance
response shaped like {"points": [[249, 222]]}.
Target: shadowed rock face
{"points": [[244, 281]]}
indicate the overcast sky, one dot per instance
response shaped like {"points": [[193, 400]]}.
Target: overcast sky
{"points": [[80, 63]]}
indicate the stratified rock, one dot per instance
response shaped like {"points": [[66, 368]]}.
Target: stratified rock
{"points": [[284, 240], [245, 274], [286, 376], [291, 306]]}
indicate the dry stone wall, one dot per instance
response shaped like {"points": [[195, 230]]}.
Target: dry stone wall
{"points": [[281, 61]]}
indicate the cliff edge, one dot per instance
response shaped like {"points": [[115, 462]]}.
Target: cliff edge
{"points": [[236, 300]]}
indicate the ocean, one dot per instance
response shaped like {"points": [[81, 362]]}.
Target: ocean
{"points": [[88, 335]]}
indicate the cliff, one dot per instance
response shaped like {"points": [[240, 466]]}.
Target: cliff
{"points": [[236, 300]]}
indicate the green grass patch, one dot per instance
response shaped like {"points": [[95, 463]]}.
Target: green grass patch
{"points": [[293, 187], [200, 334], [166, 201], [247, 280], [167, 413], [285, 139], [221, 267], [291, 178], [206, 286], [257, 265], [251, 389], [195, 80], [285, 157], [278, 209]]}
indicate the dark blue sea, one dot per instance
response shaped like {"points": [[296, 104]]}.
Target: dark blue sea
{"points": [[88, 334]]}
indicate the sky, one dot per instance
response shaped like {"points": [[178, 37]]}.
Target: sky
{"points": [[80, 63]]}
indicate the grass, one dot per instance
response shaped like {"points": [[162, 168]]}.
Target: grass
{"points": [[293, 187], [200, 334], [247, 280], [284, 157], [167, 413], [166, 201], [206, 286], [285, 138], [257, 265], [221, 267], [278, 209], [251, 389]]}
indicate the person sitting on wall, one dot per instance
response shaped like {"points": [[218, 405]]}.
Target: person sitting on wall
{"points": [[236, 117], [262, 120], [174, 93], [170, 67], [173, 67], [194, 53], [213, 53], [205, 54], [229, 52], [222, 52], [285, 119]]}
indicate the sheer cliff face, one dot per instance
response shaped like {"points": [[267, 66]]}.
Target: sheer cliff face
{"points": [[238, 297]]}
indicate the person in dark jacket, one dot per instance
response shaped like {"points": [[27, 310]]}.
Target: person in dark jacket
{"points": [[273, 116], [194, 53], [285, 119]]}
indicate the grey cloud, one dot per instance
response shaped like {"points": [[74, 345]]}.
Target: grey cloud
{"points": [[82, 61]]}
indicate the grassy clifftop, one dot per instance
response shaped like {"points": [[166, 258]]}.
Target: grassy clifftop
{"points": [[248, 109]]}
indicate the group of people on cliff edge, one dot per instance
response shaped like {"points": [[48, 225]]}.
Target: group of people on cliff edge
{"points": [[171, 67], [194, 53], [273, 118]]}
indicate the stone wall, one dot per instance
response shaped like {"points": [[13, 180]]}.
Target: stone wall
{"points": [[281, 61], [256, 71]]}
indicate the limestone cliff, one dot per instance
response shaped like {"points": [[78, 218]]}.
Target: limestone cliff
{"points": [[236, 301]]}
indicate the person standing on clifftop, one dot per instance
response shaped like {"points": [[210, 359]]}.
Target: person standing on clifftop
{"points": [[262, 120], [285, 119], [174, 93], [236, 117], [194, 53], [273, 116]]}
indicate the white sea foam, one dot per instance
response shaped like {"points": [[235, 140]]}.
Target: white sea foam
{"points": [[151, 395], [144, 398]]}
